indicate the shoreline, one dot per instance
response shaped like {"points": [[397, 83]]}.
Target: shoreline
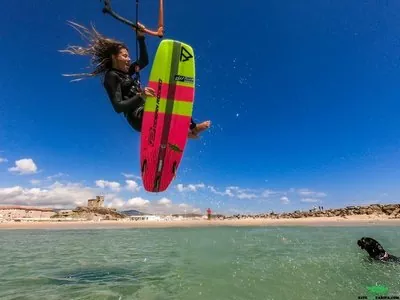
{"points": [[248, 222]]}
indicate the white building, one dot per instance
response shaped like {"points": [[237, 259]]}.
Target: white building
{"points": [[145, 218]]}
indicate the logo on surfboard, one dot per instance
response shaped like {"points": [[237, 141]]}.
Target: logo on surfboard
{"points": [[175, 148], [182, 78], [185, 54], [152, 132]]}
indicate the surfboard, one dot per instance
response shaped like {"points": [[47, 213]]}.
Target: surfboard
{"points": [[166, 117]]}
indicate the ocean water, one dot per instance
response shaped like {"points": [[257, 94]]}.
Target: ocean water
{"points": [[195, 263]]}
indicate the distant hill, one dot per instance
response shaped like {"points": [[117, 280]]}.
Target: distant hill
{"points": [[90, 213], [132, 212]]}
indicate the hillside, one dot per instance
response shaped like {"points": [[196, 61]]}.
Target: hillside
{"points": [[90, 213], [132, 212]]}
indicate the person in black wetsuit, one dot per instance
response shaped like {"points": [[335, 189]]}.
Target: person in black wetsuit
{"points": [[121, 76]]}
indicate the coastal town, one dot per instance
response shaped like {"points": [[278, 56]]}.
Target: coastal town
{"points": [[95, 211]]}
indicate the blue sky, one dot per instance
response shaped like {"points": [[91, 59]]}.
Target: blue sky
{"points": [[304, 100]]}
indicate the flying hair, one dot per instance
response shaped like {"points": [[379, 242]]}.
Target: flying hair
{"points": [[99, 48]]}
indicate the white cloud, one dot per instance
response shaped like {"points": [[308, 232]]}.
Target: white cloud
{"points": [[3, 160], [309, 200], [137, 202], [47, 180], [164, 201], [309, 193], [285, 200], [132, 186], [114, 186], [130, 176], [227, 192], [309, 196], [190, 187], [161, 206], [235, 191], [24, 166], [69, 195], [114, 202], [57, 195], [58, 175], [246, 196], [268, 193]]}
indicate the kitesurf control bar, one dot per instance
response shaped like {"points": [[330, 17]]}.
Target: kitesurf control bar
{"points": [[160, 32]]}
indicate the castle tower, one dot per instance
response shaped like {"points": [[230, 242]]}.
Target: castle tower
{"points": [[100, 201], [96, 203]]}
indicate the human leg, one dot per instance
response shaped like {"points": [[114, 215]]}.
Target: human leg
{"points": [[135, 118], [195, 129], [192, 124]]}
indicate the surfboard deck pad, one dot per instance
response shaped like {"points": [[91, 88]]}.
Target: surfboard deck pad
{"points": [[167, 116]]}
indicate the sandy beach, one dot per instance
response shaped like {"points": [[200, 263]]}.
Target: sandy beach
{"points": [[312, 221]]}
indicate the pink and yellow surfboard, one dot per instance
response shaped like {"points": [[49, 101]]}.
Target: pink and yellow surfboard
{"points": [[166, 118]]}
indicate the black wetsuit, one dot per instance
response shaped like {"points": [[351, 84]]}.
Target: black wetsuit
{"points": [[123, 87]]}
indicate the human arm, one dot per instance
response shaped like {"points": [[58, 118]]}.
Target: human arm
{"points": [[143, 60], [160, 31], [112, 84]]}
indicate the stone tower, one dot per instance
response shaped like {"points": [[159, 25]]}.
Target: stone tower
{"points": [[96, 203]]}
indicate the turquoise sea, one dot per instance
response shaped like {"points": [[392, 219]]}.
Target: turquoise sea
{"points": [[195, 263]]}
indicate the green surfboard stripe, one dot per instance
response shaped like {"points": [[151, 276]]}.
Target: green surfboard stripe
{"points": [[182, 108]]}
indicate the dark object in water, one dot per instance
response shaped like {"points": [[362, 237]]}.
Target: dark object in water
{"points": [[376, 251]]}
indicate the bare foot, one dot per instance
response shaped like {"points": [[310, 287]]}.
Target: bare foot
{"points": [[201, 127]]}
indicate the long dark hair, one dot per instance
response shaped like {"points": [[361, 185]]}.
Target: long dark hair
{"points": [[100, 49]]}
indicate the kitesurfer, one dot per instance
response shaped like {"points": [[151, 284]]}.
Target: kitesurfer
{"points": [[111, 59]]}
